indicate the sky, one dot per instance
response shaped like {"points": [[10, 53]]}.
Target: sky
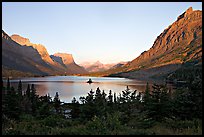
{"points": [[106, 31]]}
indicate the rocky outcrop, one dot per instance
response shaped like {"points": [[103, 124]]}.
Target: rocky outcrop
{"points": [[20, 40], [67, 60], [57, 59], [40, 48]]}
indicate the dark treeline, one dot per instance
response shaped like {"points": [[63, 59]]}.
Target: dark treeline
{"points": [[159, 111]]}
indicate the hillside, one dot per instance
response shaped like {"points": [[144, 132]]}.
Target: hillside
{"points": [[20, 57], [178, 44], [14, 58], [67, 60], [41, 50]]}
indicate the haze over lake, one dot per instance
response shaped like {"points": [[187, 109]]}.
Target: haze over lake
{"points": [[76, 86]]}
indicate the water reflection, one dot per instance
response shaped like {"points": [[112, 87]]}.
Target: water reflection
{"points": [[76, 86]]}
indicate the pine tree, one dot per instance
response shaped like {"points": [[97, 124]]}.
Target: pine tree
{"points": [[147, 94], [20, 88], [126, 95], [110, 97], [33, 91], [133, 96], [28, 91], [75, 110], [74, 101], [11, 105], [90, 97], [57, 103], [82, 99], [8, 84], [33, 98], [104, 96], [89, 108], [115, 98], [158, 106], [98, 97]]}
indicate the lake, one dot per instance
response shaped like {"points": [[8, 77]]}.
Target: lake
{"points": [[76, 86]]}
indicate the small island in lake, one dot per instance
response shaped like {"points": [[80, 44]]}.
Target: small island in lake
{"points": [[89, 81]]}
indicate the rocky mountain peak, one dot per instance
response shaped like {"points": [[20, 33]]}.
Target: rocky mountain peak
{"points": [[39, 47], [66, 58], [98, 63], [175, 43], [20, 40], [189, 10], [186, 13]]}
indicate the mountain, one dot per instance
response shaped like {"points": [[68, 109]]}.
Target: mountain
{"points": [[41, 50], [178, 44], [21, 59], [96, 66], [175, 44], [120, 64], [67, 60]]}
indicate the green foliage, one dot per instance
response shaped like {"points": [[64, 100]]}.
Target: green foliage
{"points": [[28, 91], [105, 125], [8, 84], [57, 103], [20, 89], [158, 112]]}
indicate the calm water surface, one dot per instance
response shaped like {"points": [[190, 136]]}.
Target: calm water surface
{"points": [[76, 86]]}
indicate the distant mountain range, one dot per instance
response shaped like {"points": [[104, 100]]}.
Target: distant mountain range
{"points": [[178, 44], [99, 67], [21, 57]]}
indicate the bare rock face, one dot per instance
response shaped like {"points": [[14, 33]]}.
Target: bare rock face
{"points": [[186, 13], [40, 48], [20, 40], [54, 65], [57, 59], [179, 43], [66, 58], [60, 63]]}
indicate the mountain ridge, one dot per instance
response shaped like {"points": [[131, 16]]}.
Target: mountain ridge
{"points": [[36, 61], [179, 43]]}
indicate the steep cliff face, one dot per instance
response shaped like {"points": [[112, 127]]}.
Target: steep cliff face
{"points": [[40, 48], [66, 58], [179, 43], [20, 40], [57, 59], [68, 61], [57, 66]]}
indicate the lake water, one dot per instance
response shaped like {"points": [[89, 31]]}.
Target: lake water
{"points": [[76, 86]]}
